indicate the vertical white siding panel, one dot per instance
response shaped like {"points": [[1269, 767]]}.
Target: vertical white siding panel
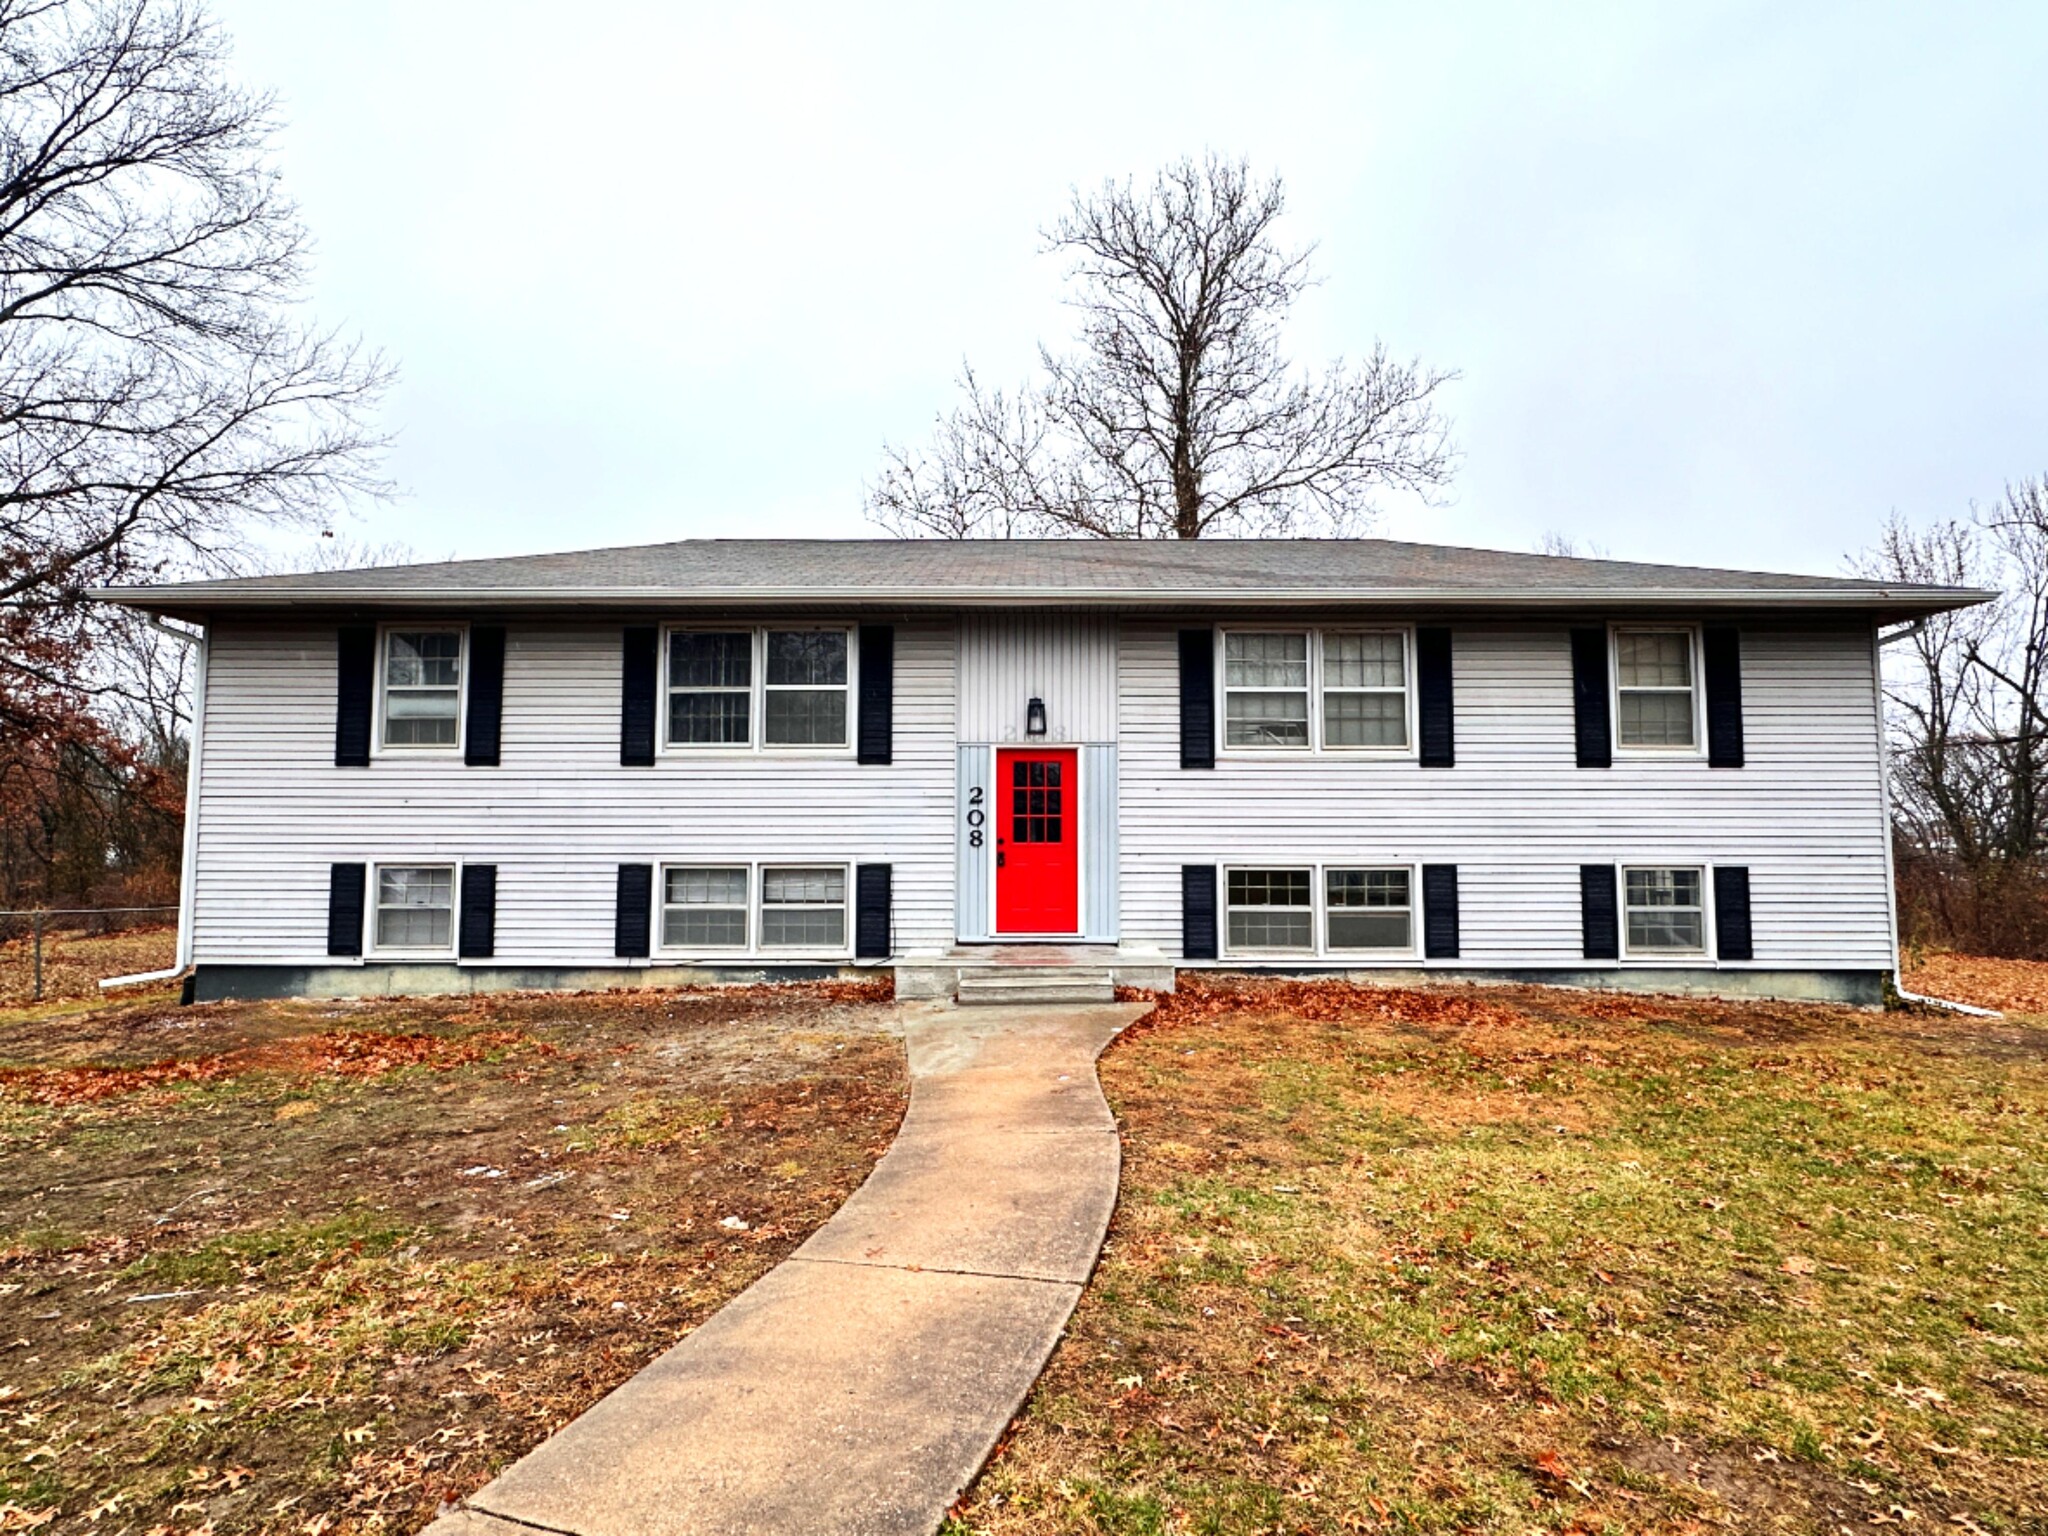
{"points": [[1065, 657], [559, 815], [1099, 874], [1516, 815], [977, 771]]}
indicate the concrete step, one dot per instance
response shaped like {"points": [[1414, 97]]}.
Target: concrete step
{"points": [[1037, 984]]}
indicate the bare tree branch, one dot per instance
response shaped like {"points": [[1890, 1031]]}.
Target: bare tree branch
{"points": [[1177, 414]]}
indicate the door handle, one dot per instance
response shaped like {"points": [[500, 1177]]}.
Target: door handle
{"points": [[999, 858]]}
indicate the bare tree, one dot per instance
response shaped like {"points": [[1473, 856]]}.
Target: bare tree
{"points": [[1555, 541], [160, 402], [1177, 414], [157, 396], [1967, 699]]}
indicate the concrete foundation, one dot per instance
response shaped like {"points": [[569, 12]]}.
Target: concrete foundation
{"points": [[939, 977], [212, 983], [1864, 989]]}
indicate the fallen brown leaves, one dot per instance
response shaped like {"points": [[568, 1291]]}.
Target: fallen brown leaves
{"points": [[1204, 999], [2011, 986], [340, 1053]]}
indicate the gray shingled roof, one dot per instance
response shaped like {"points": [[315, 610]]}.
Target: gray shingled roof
{"points": [[1037, 570]]}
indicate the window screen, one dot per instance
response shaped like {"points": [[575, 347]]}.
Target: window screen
{"points": [[1270, 909], [415, 907], [1369, 909], [422, 687], [803, 908]]}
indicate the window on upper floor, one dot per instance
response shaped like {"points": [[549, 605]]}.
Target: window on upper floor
{"points": [[422, 688], [748, 688], [1332, 690], [1654, 689]]}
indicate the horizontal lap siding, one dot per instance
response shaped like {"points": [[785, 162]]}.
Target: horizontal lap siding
{"points": [[1516, 815], [558, 816]]}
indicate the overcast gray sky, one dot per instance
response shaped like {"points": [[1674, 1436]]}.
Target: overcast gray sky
{"points": [[1725, 282]]}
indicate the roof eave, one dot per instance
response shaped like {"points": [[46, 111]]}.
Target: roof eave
{"points": [[1906, 602]]}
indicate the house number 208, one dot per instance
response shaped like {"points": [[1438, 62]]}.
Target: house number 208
{"points": [[976, 817]]}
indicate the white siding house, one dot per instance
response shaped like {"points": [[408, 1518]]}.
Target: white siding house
{"points": [[736, 759]]}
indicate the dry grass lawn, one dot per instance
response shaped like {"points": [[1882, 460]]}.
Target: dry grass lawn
{"points": [[1508, 1259], [302, 1268]]}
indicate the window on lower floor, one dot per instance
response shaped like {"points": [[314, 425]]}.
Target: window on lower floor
{"points": [[1665, 911], [1368, 909], [415, 906], [803, 908], [1270, 909], [704, 908]]}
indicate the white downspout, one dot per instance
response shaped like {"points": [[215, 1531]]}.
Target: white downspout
{"points": [[188, 861]]}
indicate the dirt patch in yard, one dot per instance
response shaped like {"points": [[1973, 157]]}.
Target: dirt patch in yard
{"points": [[320, 1267], [1506, 1259]]}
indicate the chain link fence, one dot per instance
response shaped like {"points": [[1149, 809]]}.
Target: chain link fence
{"points": [[63, 952]]}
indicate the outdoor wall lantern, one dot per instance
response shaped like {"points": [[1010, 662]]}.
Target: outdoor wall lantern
{"points": [[1034, 718]]}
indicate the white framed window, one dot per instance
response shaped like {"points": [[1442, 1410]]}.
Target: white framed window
{"points": [[1365, 688], [1656, 690], [1664, 911], [803, 907], [414, 909], [756, 688], [705, 907], [420, 688], [1348, 690], [1369, 910], [1269, 910], [1265, 688], [806, 686], [710, 688]]}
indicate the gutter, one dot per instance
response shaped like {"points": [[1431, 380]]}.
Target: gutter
{"points": [[212, 597], [188, 859]]}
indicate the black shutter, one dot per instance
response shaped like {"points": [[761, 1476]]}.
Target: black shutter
{"points": [[1591, 724], [636, 701], [636, 911], [476, 933], [1198, 704], [1198, 911], [1722, 653], [1731, 913], [1440, 911], [1599, 919], [1435, 734], [876, 731], [354, 695], [486, 709], [871, 937], [345, 884]]}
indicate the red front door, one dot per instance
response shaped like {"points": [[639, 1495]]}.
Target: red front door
{"points": [[1038, 858]]}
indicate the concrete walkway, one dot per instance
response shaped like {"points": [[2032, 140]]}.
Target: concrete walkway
{"points": [[858, 1386]]}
